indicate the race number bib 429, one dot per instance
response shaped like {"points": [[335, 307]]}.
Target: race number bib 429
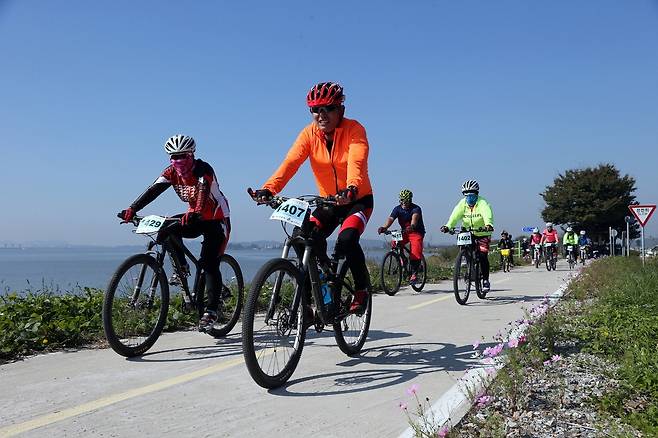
{"points": [[150, 224]]}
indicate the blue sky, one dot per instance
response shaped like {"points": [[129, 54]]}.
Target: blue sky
{"points": [[509, 92]]}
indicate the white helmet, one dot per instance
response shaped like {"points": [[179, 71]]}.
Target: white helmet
{"points": [[535, 230], [549, 224], [569, 230], [180, 144], [582, 232], [470, 186]]}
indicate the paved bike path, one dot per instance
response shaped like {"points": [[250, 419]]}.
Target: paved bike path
{"points": [[192, 383]]}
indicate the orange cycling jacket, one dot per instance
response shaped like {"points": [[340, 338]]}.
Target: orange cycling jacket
{"points": [[346, 165]]}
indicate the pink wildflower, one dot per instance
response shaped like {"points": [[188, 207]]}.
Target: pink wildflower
{"points": [[443, 432], [412, 390], [403, 406], [484, 400], [522, 339], [547, 363], [556, 358], [513, 343]]}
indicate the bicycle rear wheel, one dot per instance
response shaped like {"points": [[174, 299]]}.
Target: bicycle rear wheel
{"points": [[549, 262], [461, 277], [351, 332], [272, 340], [135, 305], [231, 298], [421, 276], [391, 273]]}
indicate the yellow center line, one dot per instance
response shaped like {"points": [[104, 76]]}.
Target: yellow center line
{"points": [[54, 417], [427, 303]]}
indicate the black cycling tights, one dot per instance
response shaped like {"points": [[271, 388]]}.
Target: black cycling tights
{"points": [[213, 238]]}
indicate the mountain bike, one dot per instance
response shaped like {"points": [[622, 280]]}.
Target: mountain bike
{"points": [[550, 256], [396, 265], [136, 300], [467, 274], [537, 255], [570, 257], [506, 258], [277, 310]]}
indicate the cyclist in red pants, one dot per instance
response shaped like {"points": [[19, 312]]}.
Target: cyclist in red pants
{"points": [[410, 218]]}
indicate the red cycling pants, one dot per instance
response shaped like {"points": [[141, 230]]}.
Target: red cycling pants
{"points": [[415, 241]]}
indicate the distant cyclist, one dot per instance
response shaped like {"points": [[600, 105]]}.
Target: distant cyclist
{"points": [[338, 151], [194, 182], [549, 235], [410, 218], [474, 212], [570, 238], [535, 239], [505, 242], [585, 242], [525, 248]]}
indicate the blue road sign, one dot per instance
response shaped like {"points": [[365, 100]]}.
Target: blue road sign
{"points": [[528, 229]]}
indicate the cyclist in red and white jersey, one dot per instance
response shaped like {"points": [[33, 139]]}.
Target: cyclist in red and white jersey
{"points": [[535, 239], [208, 214], [549, 235]]}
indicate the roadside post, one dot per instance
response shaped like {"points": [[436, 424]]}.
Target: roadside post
{"points": [[629, 220], [613, 239], [642, 213]]}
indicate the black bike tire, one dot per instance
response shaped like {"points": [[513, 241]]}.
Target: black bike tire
{"points": [[250, 310], [418, 286], [352, 350], [396, 288], [479, 290], [108, 300], [455, 278], [235, 316], [548, 262]]}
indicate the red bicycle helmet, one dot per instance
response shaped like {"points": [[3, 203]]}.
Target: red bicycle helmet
{"points": [[325, 93]]}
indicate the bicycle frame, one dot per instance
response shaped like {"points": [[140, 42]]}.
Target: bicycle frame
{"points": [[191, 297], [308, 266]]}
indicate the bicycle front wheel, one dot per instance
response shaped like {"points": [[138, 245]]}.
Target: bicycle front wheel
{"points": [[391, 273], [421, 276], [135, 305], [461, 277], [231, 298], [272, 330], [351, 332]]}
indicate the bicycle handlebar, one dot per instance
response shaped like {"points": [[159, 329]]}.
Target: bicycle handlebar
{"points": [[466, 230], [313, 200], [136, 219]]}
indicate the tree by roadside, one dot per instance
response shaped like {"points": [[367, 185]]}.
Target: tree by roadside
{"points": [[591, 199]]}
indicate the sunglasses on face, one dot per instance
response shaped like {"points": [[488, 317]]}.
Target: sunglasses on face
{"points": [[178, 157], [326, 109]]}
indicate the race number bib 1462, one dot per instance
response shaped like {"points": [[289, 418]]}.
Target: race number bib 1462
{"points": [[293, 211]]}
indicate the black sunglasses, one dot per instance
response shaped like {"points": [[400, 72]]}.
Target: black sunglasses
{"points": [[178, 156], [326, 108]]}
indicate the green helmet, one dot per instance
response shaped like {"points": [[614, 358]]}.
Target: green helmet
{"points": [[406, 195]]}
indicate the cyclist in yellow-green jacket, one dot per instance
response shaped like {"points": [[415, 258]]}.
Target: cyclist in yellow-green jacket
{"points": [[570, 238], [474, 212]]}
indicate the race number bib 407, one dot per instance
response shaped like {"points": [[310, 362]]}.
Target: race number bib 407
{"points": [[293, 211]]}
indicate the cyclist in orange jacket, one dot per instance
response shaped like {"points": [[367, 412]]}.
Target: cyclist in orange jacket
{"points": [[337, 148]]}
